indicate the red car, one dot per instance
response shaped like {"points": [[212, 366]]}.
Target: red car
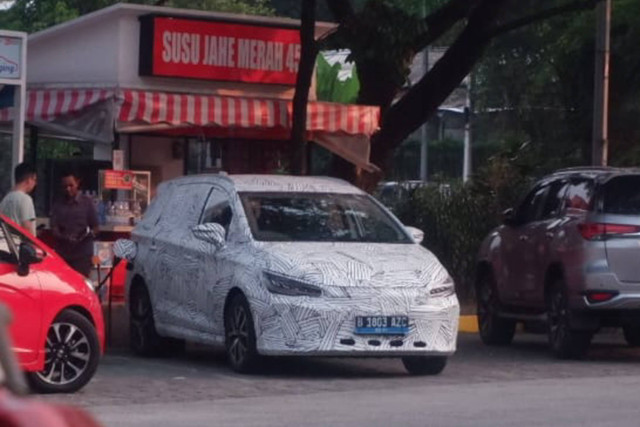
{"points": [[57, 329]]}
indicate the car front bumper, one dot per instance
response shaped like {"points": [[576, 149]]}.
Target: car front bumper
{"points": [[325, 326]]}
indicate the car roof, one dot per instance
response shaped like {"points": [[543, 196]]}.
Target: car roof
{"points": [[599, 173], [274, 183], [294, 184]]}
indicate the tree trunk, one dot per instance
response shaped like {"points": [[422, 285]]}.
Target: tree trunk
{"points": [[308, 52]]}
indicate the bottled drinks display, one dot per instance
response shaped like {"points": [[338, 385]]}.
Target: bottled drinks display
{"points": [[119, 212]]}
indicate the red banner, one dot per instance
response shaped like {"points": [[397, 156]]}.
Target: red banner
{"points": [[219, 51], [118, 180]]}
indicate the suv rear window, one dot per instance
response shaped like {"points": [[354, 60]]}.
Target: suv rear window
{"points": [[621, 195]]}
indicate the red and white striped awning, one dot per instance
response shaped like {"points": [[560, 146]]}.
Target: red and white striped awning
{"points": [[177, 109], [136, 107], [47, 104]]}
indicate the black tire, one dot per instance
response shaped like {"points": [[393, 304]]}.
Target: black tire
{"points": [[240, 336], [424, 365], [632, 335], [564, 342], [493, 329], [143, 338], [72, 355]]}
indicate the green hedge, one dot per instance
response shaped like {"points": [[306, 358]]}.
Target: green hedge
{"points": [[455, 218]]}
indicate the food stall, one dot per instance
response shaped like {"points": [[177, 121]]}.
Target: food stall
{"points": [[170, 92]]}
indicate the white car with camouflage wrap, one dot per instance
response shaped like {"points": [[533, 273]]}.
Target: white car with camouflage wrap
{"points": [[280, 265]]}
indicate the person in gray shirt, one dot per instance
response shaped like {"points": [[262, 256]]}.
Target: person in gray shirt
{"points": [[17, 205]]}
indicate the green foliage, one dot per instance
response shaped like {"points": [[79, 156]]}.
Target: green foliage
{"points": [[457, 217], [376, 38], [32, 16], [330, 88], [538, 83], [249, 7]]}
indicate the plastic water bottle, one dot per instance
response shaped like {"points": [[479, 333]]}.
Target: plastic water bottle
{"points": [[102, 214]]}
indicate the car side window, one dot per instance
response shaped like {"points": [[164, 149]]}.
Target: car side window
{"points": [[154, 210], [7, 254], [217, 209], [531, 209], [579, 194], [554, 201], [185, 207]]}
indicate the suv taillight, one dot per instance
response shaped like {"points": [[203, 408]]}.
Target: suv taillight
{"points": [[599, 231]]}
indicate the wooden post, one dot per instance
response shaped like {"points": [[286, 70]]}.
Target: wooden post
{"points": [[600, 140]]}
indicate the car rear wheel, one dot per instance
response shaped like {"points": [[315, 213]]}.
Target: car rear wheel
{"points": [[424, 365], [240, 336], [632, 335], [494, 330], [565, 342], [143, 338], [72, 353]]}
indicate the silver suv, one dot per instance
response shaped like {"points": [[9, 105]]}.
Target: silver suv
{"points": [[569, 256]]}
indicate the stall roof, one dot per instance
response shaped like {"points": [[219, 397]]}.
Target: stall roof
{"points": [[123, 9]]}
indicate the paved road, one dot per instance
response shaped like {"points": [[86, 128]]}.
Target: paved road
{"points": [[482, 386]]}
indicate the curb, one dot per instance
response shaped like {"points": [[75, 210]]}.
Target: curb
{"points": [[468, 324]]}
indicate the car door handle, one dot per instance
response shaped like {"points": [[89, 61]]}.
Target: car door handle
{"points": [[549, 235], [153, 247], [523, 238]]}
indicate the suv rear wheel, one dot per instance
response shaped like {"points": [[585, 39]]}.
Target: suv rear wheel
{"points": [[494, 330], [565, 342]]}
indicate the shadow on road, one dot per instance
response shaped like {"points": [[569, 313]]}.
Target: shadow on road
{"points": [[302, 367]]}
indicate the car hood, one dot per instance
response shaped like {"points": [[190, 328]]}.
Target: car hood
{"points": [[355, 264]]}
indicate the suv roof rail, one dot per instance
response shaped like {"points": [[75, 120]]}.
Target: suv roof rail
{"points": [[596, 170]]}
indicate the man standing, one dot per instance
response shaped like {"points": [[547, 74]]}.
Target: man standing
{"points": [[74, 223], [17, 205]]}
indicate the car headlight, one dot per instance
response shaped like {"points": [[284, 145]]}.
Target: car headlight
{"points": [[444, 289], [90, 284], [279, 284]]}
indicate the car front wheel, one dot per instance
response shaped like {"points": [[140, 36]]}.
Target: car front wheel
{"points": [[565, 342], [494, 330], [72, 352], [424, 365], [240, 336]]}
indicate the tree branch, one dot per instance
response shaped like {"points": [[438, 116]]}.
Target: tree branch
{"points": [[342, 10], [423, 99], [542, 15], [441, 20]]}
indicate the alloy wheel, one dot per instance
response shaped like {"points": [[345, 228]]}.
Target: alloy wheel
{"points": [[557, 317], [486, 307], [238, 334], [67, 354]]}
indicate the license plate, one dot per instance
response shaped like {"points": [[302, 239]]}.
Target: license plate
{"points": [[382, 325]]}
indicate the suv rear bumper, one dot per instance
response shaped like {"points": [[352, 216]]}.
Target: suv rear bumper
{"points": [[627, 294]]}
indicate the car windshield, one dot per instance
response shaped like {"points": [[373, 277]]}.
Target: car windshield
{"points": [[622, 195], [315, 217]]}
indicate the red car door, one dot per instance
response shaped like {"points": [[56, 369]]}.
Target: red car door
{"points": [[22, 296]]}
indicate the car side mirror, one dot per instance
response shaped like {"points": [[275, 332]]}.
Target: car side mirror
{"points": [[210, 232], [27, 255], [416, 234], [509, 217], [125, 249]]}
